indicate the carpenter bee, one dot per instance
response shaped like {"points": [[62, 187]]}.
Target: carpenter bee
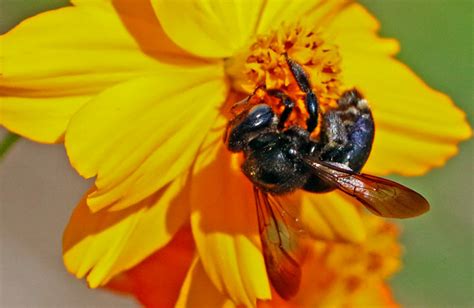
{"points": [[280, 159]]}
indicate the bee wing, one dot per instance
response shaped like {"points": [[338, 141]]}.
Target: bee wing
{"points": [[280, 235], [381, 196]]}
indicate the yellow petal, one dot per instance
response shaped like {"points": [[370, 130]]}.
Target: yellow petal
{"points": [[332, 216], [215, 29], [157, 280], [62, 57], [102, 244], [224, 225], [199, 291], [203, 27], [150, 129], [40, 119], [417, 128], [277, 12], [140, 21], [355, 30], [57, 54]]}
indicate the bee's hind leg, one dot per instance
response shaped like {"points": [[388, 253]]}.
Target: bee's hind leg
{"points": [[347, 132]]}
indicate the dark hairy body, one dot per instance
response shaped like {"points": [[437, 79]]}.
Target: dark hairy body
{"points": [[279, 159]]}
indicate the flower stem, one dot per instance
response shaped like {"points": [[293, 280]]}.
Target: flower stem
{"points": [[7, 142]]}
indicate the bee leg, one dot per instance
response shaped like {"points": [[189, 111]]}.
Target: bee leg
{"points": [[348, 132], [346, 137], [332, 140], [312, 107], [334, 136], [243, 104], [287, 102], [300, 75], [311, 101]]}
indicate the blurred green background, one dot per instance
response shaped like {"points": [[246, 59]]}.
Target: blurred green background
{"points": [[437, 40]]}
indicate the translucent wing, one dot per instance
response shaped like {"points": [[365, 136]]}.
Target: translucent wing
{"points": [[280, 236], [381, 196]]}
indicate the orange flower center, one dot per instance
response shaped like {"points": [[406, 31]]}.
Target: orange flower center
{"points": [[264, 66]]}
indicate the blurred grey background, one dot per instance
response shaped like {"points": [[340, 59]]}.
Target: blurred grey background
{"points": [[38, 189]]}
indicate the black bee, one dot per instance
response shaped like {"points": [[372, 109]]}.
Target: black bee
{"points": [[279, 160]]}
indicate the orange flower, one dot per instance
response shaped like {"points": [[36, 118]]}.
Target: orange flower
{"points": [[137, 90]]}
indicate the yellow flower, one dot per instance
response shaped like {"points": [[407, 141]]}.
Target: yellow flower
{"points": [[336, 274], [140, 93], [353, 275]]}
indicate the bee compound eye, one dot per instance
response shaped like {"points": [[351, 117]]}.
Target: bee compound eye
{"points": [[258, 119], [260, 115], [260, 110]]}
